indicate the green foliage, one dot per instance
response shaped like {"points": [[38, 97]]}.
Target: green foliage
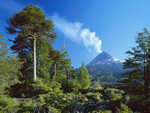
{"points": [[83, 77], [9, 67], [31, 21], [8, 104], [54, 97], [139, 64], [115, 94], [95, 86], [136, 79], [66, 62], [72, 106], [3, 48], [95, 97], [40, 87], [73, 102], [139, 103], [27, 107], [44, 60], [63, 72], [102, 111], [124, 109], [58, 87], [96, 83], [108, 77], [26, 24], [74, 85], [64, 103]]}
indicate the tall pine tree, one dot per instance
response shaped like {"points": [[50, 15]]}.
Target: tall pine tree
{"points": [[83, 77], [62, 68], [35, 33], [32, 28], [138, 76]]}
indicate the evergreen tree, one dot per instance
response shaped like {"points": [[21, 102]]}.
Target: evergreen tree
{"points": [[66, 64], [32, 28], [83, 77], [3, 52], [138, 75], [62, 68], [9, 66]]}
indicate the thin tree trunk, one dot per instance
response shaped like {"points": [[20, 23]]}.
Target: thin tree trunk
{"points": [[148, 76], [34, 59], [148, 71], [55, 70], [67, 79], [146, 85], [145, 76]]}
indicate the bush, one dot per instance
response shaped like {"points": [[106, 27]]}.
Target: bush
{"points": [[100, 111], [8, 105], [94, 97], [115, 94], [124, 109], [27, 107], [53, 99]]}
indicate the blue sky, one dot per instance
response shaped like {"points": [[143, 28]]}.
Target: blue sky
{"points": [[88, 27]]}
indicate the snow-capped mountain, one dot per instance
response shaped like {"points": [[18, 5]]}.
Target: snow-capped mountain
{"points": [[104, 63]]}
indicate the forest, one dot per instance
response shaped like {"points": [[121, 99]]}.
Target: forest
{"points": [[36, 78]]}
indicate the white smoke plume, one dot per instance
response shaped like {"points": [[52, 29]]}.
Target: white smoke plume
{"points": [[78, 34]]}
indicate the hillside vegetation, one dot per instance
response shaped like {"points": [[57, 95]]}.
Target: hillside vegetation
{"points": [[36, 78]]}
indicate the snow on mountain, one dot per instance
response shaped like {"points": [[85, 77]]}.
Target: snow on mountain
{"points": [[104, 59], [105, 63]]}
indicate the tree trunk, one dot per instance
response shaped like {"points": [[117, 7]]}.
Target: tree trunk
{"points": [[145, 75], [148, 78], [55, 70], [146, 85], [67, 79], [34, 58]]}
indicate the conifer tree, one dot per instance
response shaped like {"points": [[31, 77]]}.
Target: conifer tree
{"points": [[138, 76], [34, 34], [83, 77], [32, 28], [9, 67], [62, 67]]}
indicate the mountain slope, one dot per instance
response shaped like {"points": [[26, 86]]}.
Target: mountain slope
{"points": [[104, 63], [107, 68]]}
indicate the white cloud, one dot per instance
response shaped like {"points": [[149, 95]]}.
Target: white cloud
{"points": [[78, 34]]}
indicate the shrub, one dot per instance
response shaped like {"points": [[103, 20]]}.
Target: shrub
{"points": [[8, 105], [124, 109], [115, 94], [27, 107], [94, 96]]}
